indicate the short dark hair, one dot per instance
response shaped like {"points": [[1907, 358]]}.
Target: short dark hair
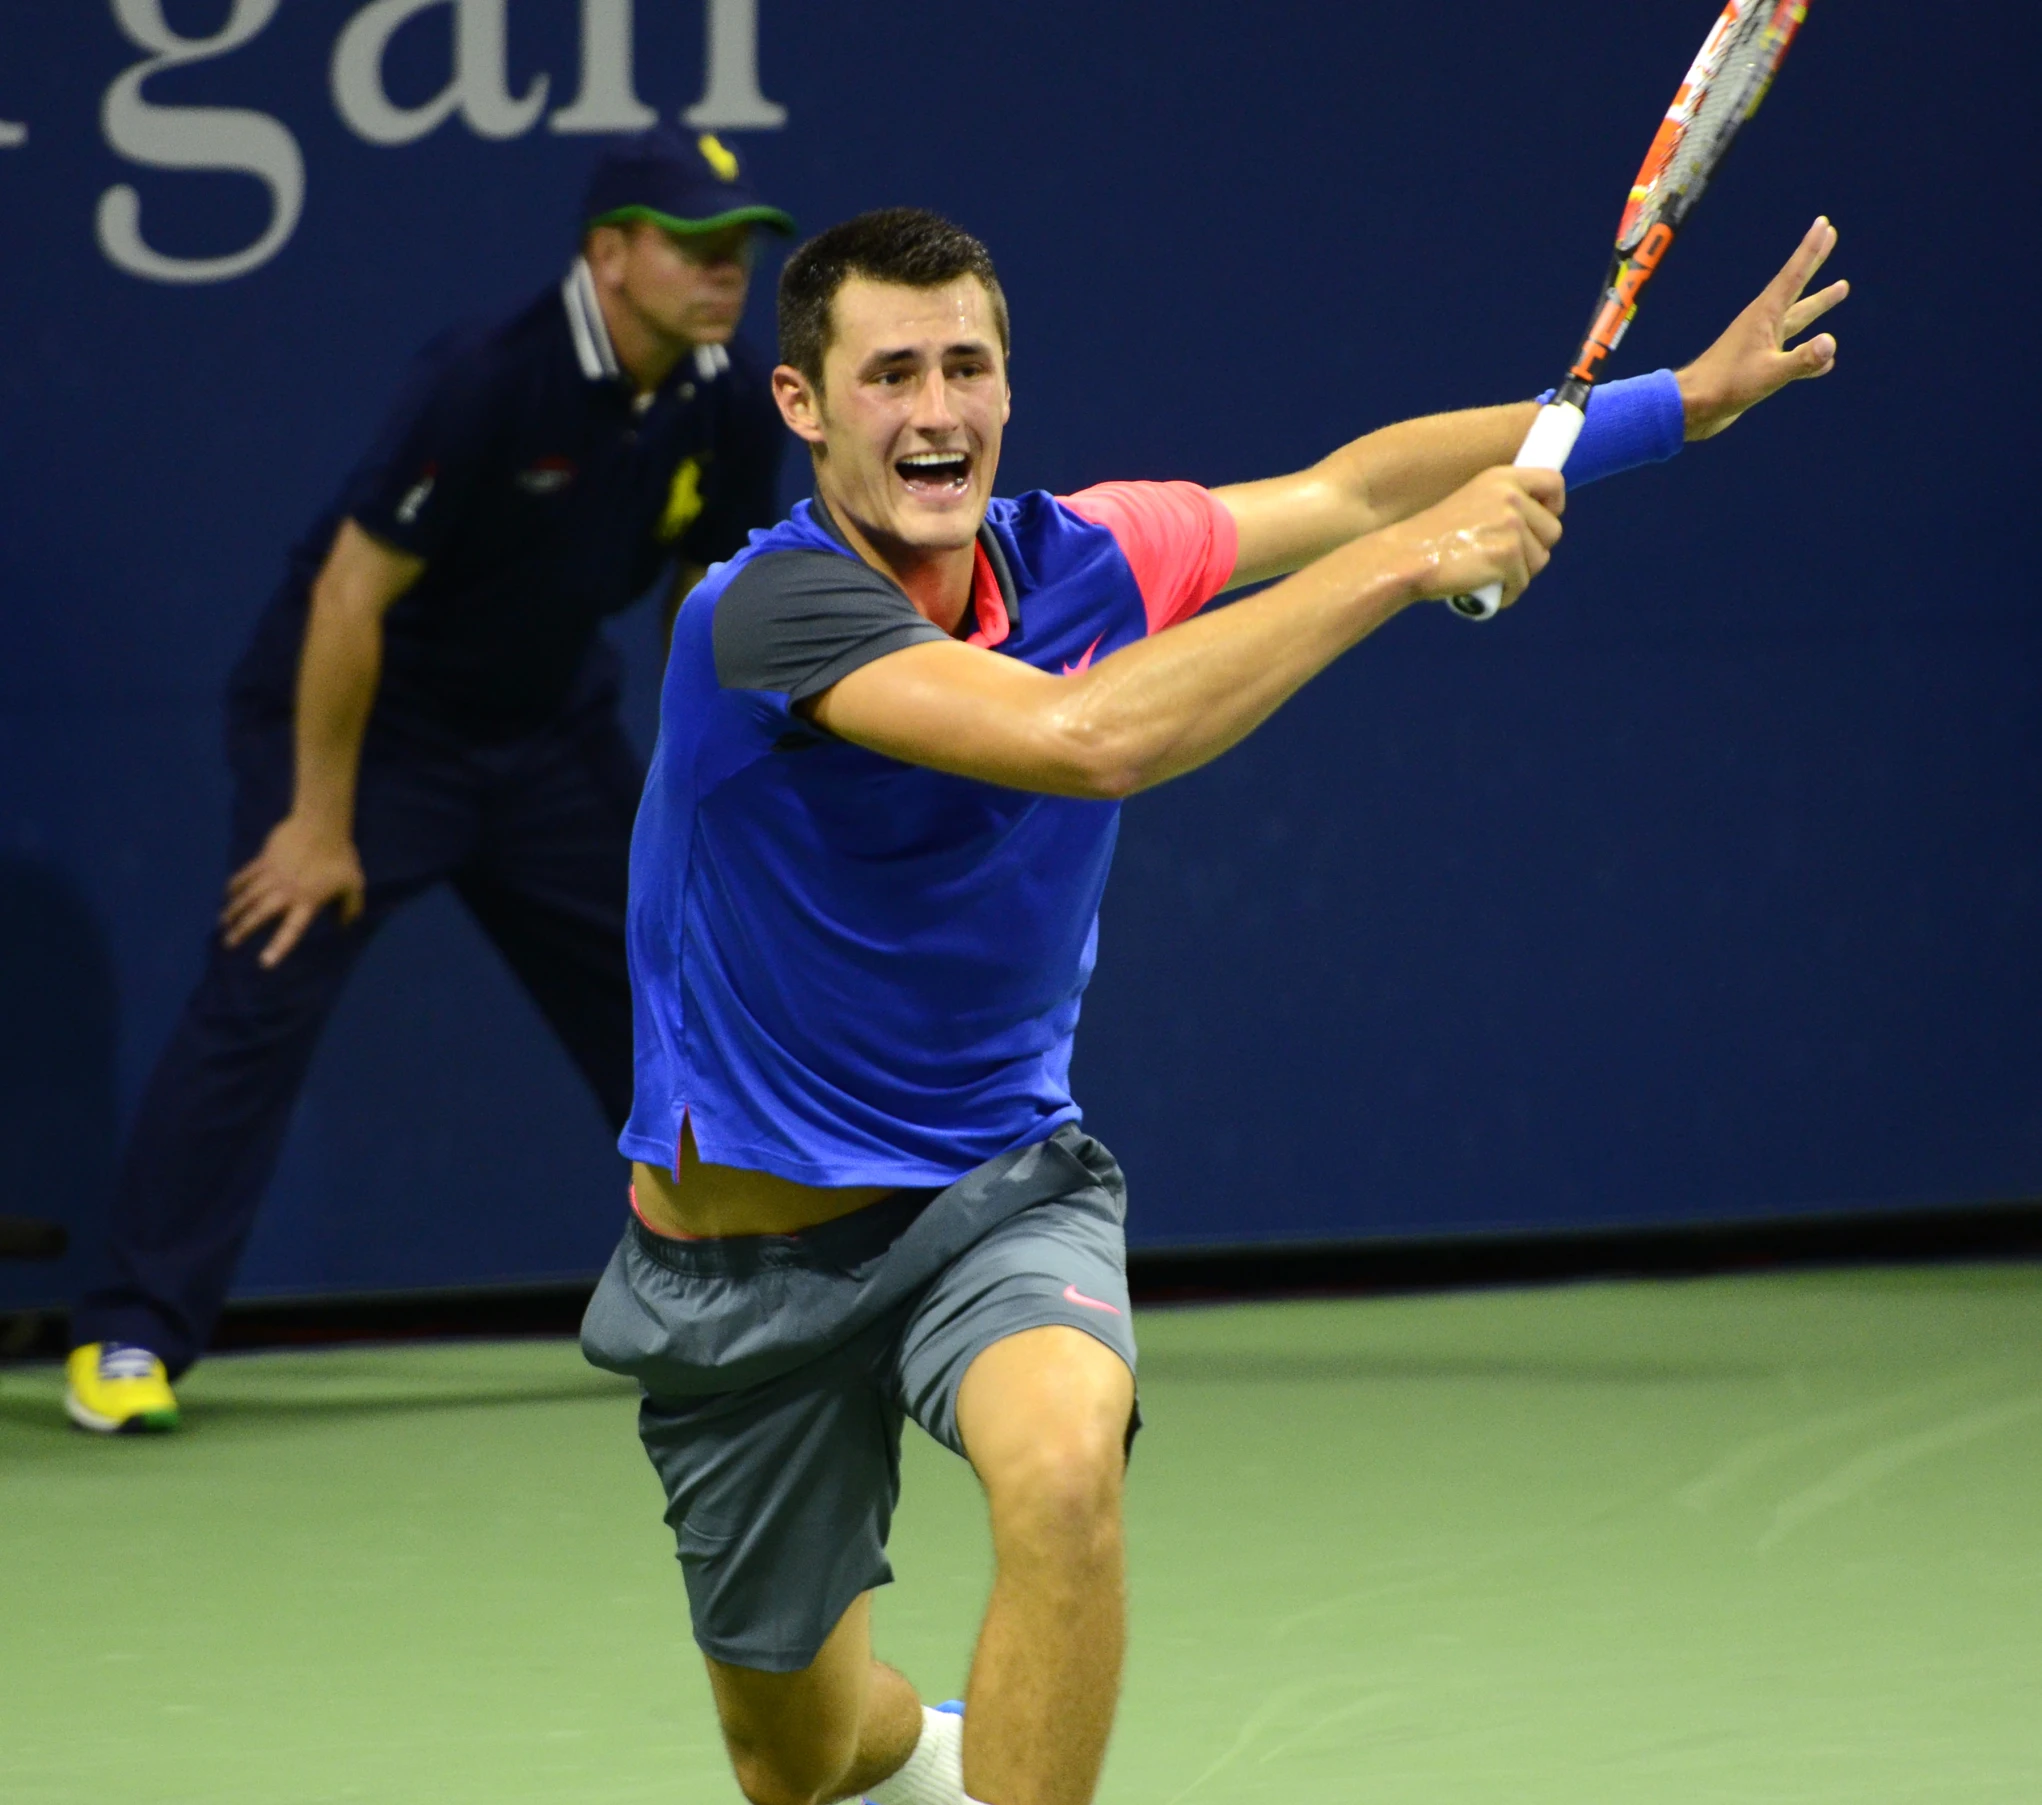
{"points": [[909, 246]]}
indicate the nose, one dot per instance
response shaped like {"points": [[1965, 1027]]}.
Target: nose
{"points": [[932, 409]]}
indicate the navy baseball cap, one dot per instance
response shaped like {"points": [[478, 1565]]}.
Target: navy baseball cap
{"points": [[683, 184]]}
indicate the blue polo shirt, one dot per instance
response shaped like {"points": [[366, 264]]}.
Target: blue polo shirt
{"points": [[851, 970], [543, 494]]}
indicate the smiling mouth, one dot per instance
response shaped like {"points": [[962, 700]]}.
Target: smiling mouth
{"points": [[935, 473]]}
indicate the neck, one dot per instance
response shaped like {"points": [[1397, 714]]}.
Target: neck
{"points": [[938, 582], [647, 354]]}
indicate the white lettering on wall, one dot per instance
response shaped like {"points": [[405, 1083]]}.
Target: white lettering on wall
{"points": [[12, 134], [213, 138], [476, 88], [235, 140], [608, 102], [731, 100]]}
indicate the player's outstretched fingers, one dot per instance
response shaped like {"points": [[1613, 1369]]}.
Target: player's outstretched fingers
{"points": [[1799, 310], [1810, 308], [1809, 256]]}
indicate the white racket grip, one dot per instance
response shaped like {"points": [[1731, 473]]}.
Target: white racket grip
{"points": [[1545, 447]]}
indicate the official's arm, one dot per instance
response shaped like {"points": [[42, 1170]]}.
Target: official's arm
{"points": [[309, 859]]}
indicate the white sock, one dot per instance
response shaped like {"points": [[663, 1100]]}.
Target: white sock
{"points": [[934, 1773]]}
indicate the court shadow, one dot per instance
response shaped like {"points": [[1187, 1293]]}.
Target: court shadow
{"points": [[58, 1118], [1361, 1366]]}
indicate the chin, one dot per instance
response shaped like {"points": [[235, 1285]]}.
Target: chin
{"points": [[949, 531]]}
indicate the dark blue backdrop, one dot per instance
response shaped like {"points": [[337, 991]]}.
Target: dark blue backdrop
{"points": [[1705, 884]]}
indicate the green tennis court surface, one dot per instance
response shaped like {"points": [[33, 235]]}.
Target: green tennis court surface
{"points": [[1774, 1539]]}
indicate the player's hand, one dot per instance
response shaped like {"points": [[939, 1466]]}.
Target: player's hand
{"points": [[300, 870], [1499, 528], [1752, 359]]}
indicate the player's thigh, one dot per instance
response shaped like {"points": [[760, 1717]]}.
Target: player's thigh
{"points": [[1027, 1340], [1046, 1416], [781, 1499]]}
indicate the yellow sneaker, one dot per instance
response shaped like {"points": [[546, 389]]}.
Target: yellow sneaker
{"points": [[113, 1389]]}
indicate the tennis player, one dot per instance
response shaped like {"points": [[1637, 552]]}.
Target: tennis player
{"points": [[428, 698], [864, 885]]}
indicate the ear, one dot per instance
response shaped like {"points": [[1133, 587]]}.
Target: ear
{"points": [[603, 248], [800, 406]]}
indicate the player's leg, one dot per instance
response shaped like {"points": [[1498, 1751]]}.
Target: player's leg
{"points": [[780, 1491], [1021, 1357], [832, 1730], [1044, 1417], [548, 884]]}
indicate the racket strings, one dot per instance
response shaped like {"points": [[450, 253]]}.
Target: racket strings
{"points": [[1723, 89]]}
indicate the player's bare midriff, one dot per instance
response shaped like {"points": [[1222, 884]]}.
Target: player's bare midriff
{"points": [[711, 1202]]}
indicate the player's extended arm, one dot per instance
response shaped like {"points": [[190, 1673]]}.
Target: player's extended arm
{"points": [[1169, 703], [309, 859], [1385, 476]]}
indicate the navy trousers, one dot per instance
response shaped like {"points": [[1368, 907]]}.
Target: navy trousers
{"points": [[534, 835]]}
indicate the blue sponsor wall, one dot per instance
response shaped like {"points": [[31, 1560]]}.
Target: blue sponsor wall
{"points": [[1704, 885]]}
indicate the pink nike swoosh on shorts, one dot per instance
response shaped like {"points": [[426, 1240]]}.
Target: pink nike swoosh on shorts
{"points": [[1072, 1295]]}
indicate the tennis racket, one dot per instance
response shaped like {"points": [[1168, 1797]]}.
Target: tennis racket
{"points": [[1722, 90]]}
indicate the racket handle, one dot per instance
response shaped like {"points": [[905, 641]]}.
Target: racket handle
{"points": [[1545, 447]]}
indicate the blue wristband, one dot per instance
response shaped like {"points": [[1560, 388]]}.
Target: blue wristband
{"points": [[1635, 420]]}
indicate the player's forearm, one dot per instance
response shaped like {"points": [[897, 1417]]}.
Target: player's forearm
{"points": [[1399, 470], [1372, 482], [337, 679], [1169, 704]]}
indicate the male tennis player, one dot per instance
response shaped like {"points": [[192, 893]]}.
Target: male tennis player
{"points": [[864, 883], [428, 698]]}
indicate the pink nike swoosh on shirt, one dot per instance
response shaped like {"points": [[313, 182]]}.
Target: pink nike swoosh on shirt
{"points": [[1071, 670], [1072, 1295]]}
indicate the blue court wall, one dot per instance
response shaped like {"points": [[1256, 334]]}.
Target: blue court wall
{"points": [[1703, 885]]}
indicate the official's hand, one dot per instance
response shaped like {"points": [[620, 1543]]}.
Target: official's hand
{"points": [[300, 870], [1751, 360], [1499, 528]]}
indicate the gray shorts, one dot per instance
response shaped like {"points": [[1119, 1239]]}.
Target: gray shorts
{"points": [[777, 1370]]}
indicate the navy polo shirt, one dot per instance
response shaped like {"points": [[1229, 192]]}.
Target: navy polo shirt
{"points": [[543, 494]]}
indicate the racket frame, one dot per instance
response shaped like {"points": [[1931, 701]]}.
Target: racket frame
{"points": [[1644, 236]]}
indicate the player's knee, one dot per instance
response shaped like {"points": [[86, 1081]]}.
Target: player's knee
{"points": [[1062, 1489], [1044, 1416]]}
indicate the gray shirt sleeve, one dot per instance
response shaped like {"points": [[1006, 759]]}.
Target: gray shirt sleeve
{"points": [[798, 621]]}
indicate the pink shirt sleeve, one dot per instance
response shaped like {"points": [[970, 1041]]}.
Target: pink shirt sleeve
{"points": [[1179, 541]]}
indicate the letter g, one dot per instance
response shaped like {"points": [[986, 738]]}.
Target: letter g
{"points": [[226, 138]]}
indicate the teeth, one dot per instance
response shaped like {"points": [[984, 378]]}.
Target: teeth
{"points": [[933, 460]]}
